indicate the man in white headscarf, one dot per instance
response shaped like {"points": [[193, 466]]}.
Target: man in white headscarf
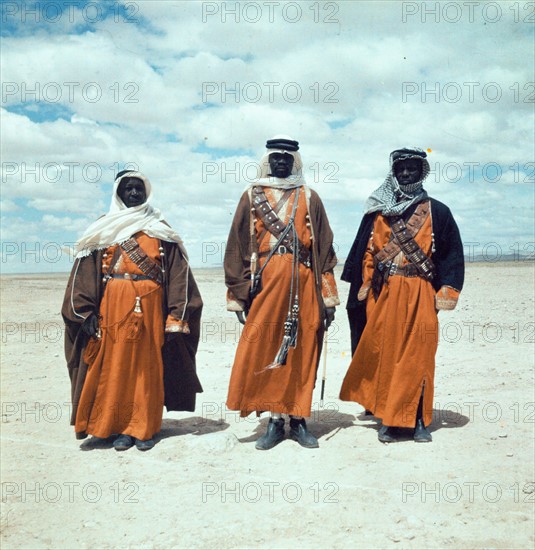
{"points": [[132, 313], [278, 271], [405, 265]]}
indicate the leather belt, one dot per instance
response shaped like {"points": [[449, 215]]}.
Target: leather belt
{"points": [[140, 258], [408, 270], [131, 276], [281, 250]]}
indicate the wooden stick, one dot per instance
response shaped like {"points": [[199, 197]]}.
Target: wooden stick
{"points": [[324, 375]]}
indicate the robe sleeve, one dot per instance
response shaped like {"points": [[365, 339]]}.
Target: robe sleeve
{"points": [[183, 307], [352, 273], [367, 273], [449, 254], [329, 291], [327, 260], [446, 298], [82, 297], [237, 258], [353, 268], [183, 297]]}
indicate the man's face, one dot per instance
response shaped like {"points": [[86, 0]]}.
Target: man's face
{"points": [[281, 164], [408, 171], [132, 192]]}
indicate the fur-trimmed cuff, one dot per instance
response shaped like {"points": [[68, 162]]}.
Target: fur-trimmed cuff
{"points": [[446, 298], [363, 292], [172, 325], [329, 290], [232, 302]]}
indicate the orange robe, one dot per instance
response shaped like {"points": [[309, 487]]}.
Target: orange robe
{"points": [[123, 392], [287, 389], [395, 358]]}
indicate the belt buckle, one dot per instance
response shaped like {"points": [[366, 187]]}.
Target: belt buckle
{"points": [[127, 276], [393, 269], [282, 250]]}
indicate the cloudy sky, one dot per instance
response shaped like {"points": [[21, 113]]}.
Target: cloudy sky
{"points": [[188, 92]]}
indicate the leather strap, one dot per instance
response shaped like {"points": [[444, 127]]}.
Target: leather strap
{"points": [[286, 195], [114, 259], [150, 268], [416, 221], [276, 226], [403, 240], [412, 251]]}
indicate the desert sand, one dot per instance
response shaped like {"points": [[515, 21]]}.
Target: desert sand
{"points": [[205, 486]]}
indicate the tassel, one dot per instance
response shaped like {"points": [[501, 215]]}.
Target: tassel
{"points": [[132, 327], [380, 277], [254, 260], [282, 354], [129, 329], [281, 357], [294, 326]]}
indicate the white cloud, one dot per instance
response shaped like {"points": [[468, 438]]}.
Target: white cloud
{"points": [[57, 171]]}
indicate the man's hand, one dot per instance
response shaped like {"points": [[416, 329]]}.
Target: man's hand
{"points": [[90, 325], [241, 317], [329, 316]]}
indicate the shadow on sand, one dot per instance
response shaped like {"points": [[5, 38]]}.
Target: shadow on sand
{"points": [[170, 428], [324, 424], [321, 423], [442, 418], [196, 425]]}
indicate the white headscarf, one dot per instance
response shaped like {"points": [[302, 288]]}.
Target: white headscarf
{"points": [[295, 179], [121, 222]]}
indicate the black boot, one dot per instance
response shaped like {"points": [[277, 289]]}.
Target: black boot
{"points": [[300, 433], [421, 433], [145, 445], [273, 436], [387, 434], [123, 442]]}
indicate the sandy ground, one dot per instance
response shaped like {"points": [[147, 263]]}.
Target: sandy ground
{"points": [[205, 486]]}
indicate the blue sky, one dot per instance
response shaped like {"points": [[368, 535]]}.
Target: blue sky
{"points": [[189, 92]]}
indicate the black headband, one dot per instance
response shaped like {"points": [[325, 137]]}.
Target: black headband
{"points": [[400, 154], [284, 144]]}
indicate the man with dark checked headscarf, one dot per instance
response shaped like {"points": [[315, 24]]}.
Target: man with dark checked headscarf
{"points": [[405, 265]]}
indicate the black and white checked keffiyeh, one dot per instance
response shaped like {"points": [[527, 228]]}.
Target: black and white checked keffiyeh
{"points": [[391, 198]]}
